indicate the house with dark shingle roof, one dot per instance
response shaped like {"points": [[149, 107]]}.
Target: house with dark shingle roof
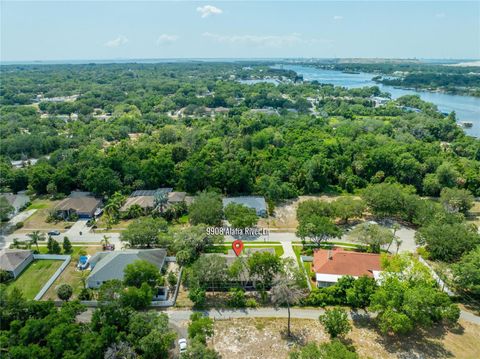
{"points": [[15, 261], [83, 204], [146, 199], [330, 265], [110, 265]]}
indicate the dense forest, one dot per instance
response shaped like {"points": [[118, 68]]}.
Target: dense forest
{"points": [[195, 126], [444, 77]]}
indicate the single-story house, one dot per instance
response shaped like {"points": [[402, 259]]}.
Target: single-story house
{"points": [[17, 201], [146, 198], [15, 260], [330, 265], [244, 279], [110, 265], [83, 204], [256, 202]]}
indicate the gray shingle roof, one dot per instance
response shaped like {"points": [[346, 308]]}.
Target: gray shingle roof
{"points": [[110, 265], [10, 259], [85, 204], [146, 198]]}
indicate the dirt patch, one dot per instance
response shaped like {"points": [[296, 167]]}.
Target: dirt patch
{"points": [[285, 216], [262, 337], [265, 338], [182, 299]]}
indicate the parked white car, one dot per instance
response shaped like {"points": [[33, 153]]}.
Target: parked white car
{"points": [[182, 344]]}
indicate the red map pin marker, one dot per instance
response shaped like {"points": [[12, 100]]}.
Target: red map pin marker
{"points": [[237, 246]]}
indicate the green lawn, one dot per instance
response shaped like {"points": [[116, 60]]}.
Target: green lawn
{"points": [[34, 277], [278, 249], [225, 248], [39, 204]]}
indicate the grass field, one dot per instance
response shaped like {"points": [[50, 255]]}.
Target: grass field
{"points": [[278, 249], [34, 277], [75, 249]]}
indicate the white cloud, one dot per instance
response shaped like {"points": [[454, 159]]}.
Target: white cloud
{"points": [[119, 41], [440, 15], [337, 17], [262, 40], [208, 10], [166, 39]]}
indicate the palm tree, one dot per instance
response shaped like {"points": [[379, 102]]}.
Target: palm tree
{"points": [[36, 236], [398, 243], [112, 208], [160, 200], [105, 241], [111, 212], [286, 292], [395, 228], [83, 278]]}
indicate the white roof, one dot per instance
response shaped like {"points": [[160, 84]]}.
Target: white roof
{"points": [[329, 278], [333, 278]]}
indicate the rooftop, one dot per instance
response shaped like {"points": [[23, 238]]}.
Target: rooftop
{"points": [[12, 258], [146, 198], [340, 262], [79, 203], [110, 265]]}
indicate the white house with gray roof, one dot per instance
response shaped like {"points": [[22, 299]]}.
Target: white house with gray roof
{"points": [[15, 261], [110, 265]]}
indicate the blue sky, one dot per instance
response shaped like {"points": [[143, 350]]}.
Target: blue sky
{"points": [[70, 30]]}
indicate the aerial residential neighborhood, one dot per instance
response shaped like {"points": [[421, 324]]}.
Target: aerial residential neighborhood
{"points": [[240, 180]]}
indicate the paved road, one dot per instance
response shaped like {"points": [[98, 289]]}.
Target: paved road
{"points": [[300, 313], [406, 235], [179, 316]]}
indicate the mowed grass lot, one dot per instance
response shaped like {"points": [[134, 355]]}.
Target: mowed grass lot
{"points": [[71, 275], [34, 277]]}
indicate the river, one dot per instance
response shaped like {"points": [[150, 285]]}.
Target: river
{"points": [[467, 108]]}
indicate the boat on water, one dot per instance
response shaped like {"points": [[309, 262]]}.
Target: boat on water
{"points": [[466, 124]]}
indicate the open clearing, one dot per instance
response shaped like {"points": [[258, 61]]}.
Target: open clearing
{"points": [[265, 338], [34, 277]]}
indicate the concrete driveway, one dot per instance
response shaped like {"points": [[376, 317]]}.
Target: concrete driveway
{"points": [[78, 227]]}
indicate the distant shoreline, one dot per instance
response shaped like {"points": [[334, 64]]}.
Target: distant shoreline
{"points": [[466, 64], [446, 62]]}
